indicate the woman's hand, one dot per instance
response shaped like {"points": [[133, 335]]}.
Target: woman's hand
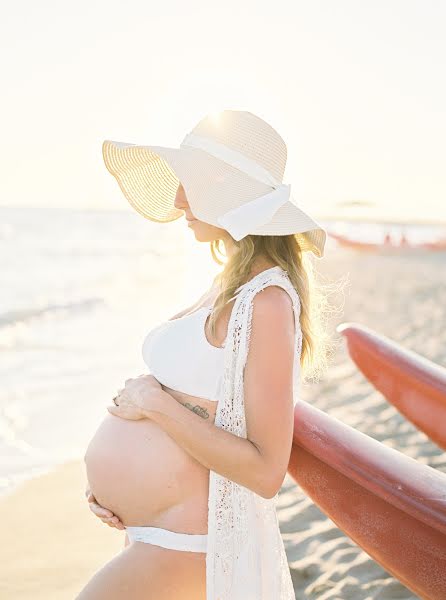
{"points": [[138, 398], [104, 514]]}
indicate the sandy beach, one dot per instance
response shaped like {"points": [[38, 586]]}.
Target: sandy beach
{"points": [[52, 543]]}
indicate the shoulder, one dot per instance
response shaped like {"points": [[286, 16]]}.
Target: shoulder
{"points": [[271, 333], [272, 311], [273, 301]]}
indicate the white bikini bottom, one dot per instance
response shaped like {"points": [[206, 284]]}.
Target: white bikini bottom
{"points": [[191, 542]]}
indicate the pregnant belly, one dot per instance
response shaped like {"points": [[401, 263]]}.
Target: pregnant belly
{"points": [[142, 475]]}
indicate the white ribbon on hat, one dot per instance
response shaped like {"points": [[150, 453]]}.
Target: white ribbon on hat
{"points": [[241, 220]]}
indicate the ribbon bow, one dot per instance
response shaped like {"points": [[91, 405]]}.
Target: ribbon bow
{"points": [[249, 216]]}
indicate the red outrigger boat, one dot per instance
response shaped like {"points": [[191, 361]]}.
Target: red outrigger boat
{"points": [[415, 385], [438, 245], [355, 244], [389, 504]]}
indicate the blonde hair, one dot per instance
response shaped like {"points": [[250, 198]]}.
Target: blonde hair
{"points": [[284, 251]]}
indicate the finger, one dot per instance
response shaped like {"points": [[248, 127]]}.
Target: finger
{"points": [[124, 398], [124, 410], [114, 519], [100, 511], [127, 414], [97, 510], [105, 520], [104, 513], [113, 522]]}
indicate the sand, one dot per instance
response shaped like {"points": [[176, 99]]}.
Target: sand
{"points": [[52, 543]]}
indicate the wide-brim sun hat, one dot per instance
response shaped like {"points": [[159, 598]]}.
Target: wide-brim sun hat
{"points": [[231, 167]]}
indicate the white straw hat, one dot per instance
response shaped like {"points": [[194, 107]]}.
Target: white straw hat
{"points": [[231, 167]]}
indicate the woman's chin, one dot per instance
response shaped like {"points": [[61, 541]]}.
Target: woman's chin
{"points": [[201, 236], [203, 232]]}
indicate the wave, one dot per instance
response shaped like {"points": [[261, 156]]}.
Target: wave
{"points": [[21, 315]]}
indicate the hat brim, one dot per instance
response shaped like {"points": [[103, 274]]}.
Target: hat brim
{"points": [[290, 219], [313, 241], [149, 177]]}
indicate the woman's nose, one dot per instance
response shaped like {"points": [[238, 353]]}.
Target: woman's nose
{"points": [[180, 199]]}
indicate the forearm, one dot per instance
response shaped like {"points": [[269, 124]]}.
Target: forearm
{"points": [[233, 457]]}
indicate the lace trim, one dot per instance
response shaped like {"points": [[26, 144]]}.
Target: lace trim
{"points": [[246, 558]]}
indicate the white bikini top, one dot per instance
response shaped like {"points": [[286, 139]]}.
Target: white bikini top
{"points": [[180, 356]]}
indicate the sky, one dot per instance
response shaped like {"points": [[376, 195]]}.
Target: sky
{"points": [[356, 88]]}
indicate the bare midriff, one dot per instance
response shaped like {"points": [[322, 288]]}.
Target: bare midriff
{"points": [[136, 470]]}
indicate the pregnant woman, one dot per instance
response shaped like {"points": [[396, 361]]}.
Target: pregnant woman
{"points": [[190, 459]]}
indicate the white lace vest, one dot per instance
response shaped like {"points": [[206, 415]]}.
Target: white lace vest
{"points": [[245, 557]]}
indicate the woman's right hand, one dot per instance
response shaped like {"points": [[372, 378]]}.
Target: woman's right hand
{"points": [[104, 514]]}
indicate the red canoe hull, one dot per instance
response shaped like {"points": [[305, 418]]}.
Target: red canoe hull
{"points": [[389, 504], [413, 384]]}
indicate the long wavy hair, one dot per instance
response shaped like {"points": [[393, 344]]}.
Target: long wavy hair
{"points": [[284, 251]]}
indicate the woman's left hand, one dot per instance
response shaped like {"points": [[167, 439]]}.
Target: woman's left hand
{"points": [[139, 396]]}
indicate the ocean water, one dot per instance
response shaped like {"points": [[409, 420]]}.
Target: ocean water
{"points": [[78, 292]]}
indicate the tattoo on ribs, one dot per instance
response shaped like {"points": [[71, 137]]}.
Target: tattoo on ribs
{"points": [[197, 409]]}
